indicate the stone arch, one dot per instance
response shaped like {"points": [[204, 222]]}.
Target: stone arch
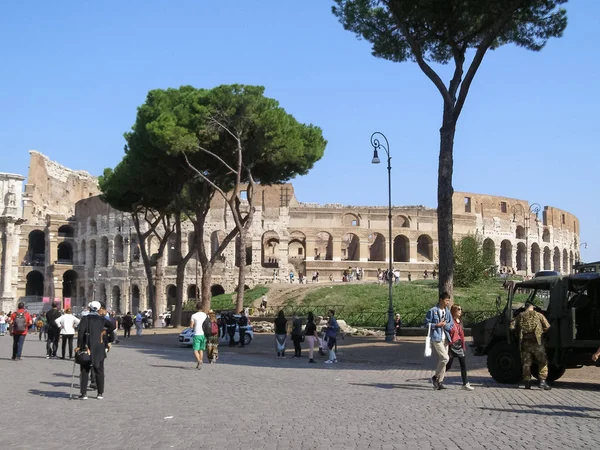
{"points": [[401, 221], [521, 256], [556, 259], [506, 253], [547, 259], [565, 262], [36, 252], [216, 238], [350, 220], [93, 253], [171, 293], [192, 292], [401, 249], [69, 284], [82, 255], [520, 232], [66, 231], [35, 283], [270, 249], [489, 252], [377, 247], [119, 249], [297, 245], [425, 248], [135, 298], [173, 255], [115, 299], [93, 227], [546, 235], [350, 247], [64, 253], [535, 257], [323, 246], [134, 249], [104, 250], [216, 289]]}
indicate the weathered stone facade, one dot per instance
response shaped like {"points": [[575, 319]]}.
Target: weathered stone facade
{"points": [[74, 246]]}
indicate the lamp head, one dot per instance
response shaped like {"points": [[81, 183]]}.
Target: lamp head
{"points": [[375, 159]]}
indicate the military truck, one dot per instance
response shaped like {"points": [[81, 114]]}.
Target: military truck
{"points": [[572, 306]]}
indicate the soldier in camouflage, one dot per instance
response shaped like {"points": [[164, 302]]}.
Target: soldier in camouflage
{"points": [[530, 326]]}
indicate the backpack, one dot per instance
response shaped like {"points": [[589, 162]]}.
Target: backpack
{"points": [[207, 327], [214, 328], [20, 323]]}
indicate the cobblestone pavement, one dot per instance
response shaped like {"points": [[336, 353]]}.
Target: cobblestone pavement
{"points": [[378, 397]]}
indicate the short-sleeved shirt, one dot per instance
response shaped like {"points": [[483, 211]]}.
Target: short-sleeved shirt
{"points": [[198, 319], [310, 329]]}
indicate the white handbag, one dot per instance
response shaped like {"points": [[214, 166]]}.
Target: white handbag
{"points": [[428, 341]]}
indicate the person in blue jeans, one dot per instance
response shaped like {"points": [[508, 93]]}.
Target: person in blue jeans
{"points": [[441, 322], [138, 323], [20, 321], [331, 336]]}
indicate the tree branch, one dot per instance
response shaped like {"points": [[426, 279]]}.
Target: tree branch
{"points": [[214, 155], [205, 178]]}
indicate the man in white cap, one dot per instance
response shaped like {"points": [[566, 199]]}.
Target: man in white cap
{"points": [[92, 330]]}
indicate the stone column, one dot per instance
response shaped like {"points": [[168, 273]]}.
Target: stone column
{"points": [[514, 255], [337, 248], [497, 255], [8, 261], [364, 250], [309, 248], [111, 253], [52, 251], [414, 255]]}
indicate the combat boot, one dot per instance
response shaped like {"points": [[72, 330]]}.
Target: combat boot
{"points": [[527, 384], [544, 385]]}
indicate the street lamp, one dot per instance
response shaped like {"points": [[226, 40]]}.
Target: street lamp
{"points": [[377, 145], [533, 209]]}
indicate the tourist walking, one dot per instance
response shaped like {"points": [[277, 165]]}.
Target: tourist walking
{"points": [[331, 336], [243, 326], [44, 327], [398, 325], [530, 326], [20, 321], [297, 335], [311, 336], [3, 320], [139, 324], [67, 323], [127, 323], [457, 348], [199, 343], [212, 342], [93, 328], [280, 334], [440, 321], [53, 331]]}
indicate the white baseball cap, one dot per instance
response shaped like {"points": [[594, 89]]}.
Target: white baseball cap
{"points": [[95, 306]]}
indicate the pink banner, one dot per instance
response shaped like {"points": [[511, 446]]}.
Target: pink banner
{"points": [[46, 299], [67, 302]]}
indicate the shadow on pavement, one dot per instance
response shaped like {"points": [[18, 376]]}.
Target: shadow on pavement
{"points": [[50, 394], [559, 412], [409, 386]]}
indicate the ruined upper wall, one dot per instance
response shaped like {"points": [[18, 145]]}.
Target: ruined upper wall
{"points": [[54, 189]]}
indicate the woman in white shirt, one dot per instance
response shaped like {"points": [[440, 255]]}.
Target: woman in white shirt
{"points": [[67, 323], [2, 323]]}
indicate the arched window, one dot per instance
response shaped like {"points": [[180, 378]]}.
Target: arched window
{"points": [[401, 249], [66, 231], [425, 248], [65, 253]]}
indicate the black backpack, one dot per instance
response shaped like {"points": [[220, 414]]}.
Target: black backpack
{"points": [[207, 327], [20, 323]]}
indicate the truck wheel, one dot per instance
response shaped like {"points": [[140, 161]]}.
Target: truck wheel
{"points": [[504, 363]]}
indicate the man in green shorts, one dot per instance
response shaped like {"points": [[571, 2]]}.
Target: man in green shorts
{"points": [[199, 344]]}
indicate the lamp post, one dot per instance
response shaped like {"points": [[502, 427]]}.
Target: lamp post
{"points": [[377, 145], [533, 209]]}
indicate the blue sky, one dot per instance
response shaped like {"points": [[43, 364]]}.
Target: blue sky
{"points": [[74, 72]]}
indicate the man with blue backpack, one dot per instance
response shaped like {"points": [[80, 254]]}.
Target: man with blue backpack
{"points": [[20, 321], [331, 336]]}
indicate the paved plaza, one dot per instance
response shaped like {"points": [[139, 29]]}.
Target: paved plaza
{"points": [[378, 397]]}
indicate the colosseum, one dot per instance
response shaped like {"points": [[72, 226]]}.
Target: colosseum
{"points": [[60, 242]]}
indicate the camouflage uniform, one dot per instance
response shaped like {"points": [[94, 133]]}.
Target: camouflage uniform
{"points": [[531, 325]]}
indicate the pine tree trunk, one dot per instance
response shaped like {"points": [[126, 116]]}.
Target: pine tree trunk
{"points": [[205, 283], [444, 210], [239, 299]]}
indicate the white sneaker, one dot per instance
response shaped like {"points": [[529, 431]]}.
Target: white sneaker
{"points": [[329, 361], [468, 387]]}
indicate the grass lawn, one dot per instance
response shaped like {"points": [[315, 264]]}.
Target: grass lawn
{"points": [[227, 301], [366, 304]]}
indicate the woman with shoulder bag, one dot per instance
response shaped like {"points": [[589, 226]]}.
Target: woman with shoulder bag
{"points": [[297, 337], [457, 346], [311, 336], [280, 334]]}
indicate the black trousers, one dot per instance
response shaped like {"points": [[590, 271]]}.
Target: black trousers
{"points": [[463, 366], [297, 346], [67, 338], [231, 331], [52, 342], [126, 332], [242, 336], [98, 374]]}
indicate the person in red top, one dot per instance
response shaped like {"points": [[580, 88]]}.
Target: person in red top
{"points": [[457, 346], [20, 321]]}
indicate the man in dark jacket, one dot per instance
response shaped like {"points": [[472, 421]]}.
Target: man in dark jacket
{"points": [[93, 329], [53, 331]]}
